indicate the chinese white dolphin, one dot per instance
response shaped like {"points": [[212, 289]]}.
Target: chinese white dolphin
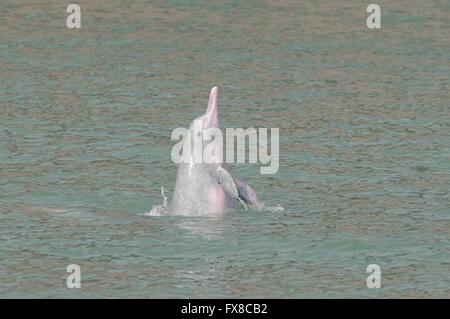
{"points": [[207, 188]]}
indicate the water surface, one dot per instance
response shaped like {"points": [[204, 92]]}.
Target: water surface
{"points": [[85, 123]]}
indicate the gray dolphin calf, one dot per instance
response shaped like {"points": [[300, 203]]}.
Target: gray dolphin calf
{"points": [[208, 189]]}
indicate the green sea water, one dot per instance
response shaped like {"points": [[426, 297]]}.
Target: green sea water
{"points": [[364, 118]]}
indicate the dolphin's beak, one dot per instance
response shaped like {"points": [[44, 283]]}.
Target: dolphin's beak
{"points": [[212, 112]]}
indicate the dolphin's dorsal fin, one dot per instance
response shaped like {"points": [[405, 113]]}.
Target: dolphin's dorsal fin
{"points": [[225, 179]]}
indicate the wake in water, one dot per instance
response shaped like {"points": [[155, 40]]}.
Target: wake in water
{"points": [[162, 209]]}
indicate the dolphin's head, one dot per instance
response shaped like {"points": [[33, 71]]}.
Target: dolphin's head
{"points": [[211, 117], [207, 125]]}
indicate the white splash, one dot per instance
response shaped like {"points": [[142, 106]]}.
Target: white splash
{"points": [[159, 210]]}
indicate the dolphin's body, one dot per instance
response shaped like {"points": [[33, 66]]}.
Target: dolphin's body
{"points": [[204, 189]]}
